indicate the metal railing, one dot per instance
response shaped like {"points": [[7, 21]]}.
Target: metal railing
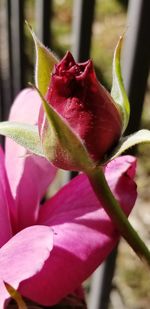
{"points": [[135, 65]]}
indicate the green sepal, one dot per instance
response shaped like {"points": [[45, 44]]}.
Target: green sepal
{"points": [[118, 91], [14, 294], [60, 142], [45, 61], [142, 136], [23, 134]]}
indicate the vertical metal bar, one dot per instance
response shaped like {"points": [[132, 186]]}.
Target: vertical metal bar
{"points": [[43, 17], [1, 106], [9, 46], [16, 40], [136, 58], [1, 96], [83, 14], [101, 283], [5, 72], [1, 109]]}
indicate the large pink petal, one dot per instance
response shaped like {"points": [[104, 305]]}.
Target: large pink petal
{"points": [[6, 204], [24, 109], [37, 175], [29, 175], [83, 233], [23, 256]]}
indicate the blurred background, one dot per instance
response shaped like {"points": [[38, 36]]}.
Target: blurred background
{"points": [[91, 29]]}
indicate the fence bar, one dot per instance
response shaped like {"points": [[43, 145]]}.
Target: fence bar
{"points": [[43, 16], [1, 98], [9, 65], [136, 58], [5, 74], [83, 14], [101, 283], [16, 46]]}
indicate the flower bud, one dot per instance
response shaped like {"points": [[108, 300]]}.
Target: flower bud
{"points": [[85, 105]]}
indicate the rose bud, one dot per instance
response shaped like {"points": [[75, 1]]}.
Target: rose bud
{"points": [[85, 105]]}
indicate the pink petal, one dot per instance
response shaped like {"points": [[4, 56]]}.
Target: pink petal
{"points": [[6, 204], [29, 175], [24, 109], [37, 175], [83, 233], [120, 174], [23, 256]]}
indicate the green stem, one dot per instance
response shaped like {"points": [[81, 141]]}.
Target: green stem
{"points": [[114, 210]]}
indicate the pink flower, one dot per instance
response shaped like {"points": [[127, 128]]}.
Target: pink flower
{"points": [[76, 94], [48, 250]]}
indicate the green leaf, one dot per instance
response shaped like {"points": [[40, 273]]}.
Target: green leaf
{"points": [[118, 91], [60, 141], [23, 134], [142, 136], [45, 61]]}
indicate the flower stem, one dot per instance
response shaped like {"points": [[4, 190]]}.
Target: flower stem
{"points": [[114, 210]]}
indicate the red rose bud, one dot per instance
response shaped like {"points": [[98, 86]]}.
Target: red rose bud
{"points": [[76, 94]]}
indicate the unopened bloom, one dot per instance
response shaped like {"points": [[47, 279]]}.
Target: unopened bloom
{"points": [[83, 234], [86, 106]]}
